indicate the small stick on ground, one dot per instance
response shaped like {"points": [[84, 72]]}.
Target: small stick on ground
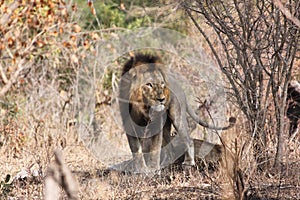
{"points": [[59, 175]]}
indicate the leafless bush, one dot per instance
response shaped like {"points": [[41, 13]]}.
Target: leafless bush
{"points": [[260, 46], [259, 50]]}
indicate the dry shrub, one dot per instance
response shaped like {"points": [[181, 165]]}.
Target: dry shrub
{"points": [[239, 174], [41, 50]]}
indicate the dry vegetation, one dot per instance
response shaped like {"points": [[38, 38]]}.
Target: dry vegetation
{"points": [[32, 159], [41, 50]]}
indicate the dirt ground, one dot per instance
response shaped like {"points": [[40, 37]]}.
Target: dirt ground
{"points": [[95, 181]]}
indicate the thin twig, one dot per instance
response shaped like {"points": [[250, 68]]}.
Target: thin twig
{"points": [[3, 76], [4, 19], [13, 78], [286, 12]]}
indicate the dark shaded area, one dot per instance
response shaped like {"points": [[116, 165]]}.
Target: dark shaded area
{"points": [[293, 110], [278, 184]]}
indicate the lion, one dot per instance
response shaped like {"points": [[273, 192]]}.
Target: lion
{"points": [[151, 102]]}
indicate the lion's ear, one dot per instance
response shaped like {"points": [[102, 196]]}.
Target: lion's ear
{"points": [[132, 73]]}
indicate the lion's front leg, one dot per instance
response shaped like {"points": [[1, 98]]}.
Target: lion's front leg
{"points": [[153, 144], [152, 152], [139, 164]]}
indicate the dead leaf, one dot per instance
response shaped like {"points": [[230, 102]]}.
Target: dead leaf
{"points": [[54, 33], [95, 36], [122, 6], [91, 5], [73, 37], [86, 44], [74, 59], [11, 41], [76, 28], [64, 12]]}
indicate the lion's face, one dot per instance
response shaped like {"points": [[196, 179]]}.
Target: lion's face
{"points": [[154, 95], [153, 90]]}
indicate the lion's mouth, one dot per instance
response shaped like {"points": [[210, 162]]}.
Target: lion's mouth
{"points": [[158, 108]]}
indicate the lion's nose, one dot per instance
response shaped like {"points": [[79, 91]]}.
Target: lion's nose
{"points": [[161, 99]]}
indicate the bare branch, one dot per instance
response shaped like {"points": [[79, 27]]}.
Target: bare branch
{"points": [[287, 13], [5, 18], [59, 175], [259, 46], [3, 76], [13, 78]]}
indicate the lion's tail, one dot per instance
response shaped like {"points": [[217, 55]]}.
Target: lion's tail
{"points": [[232, 121]]}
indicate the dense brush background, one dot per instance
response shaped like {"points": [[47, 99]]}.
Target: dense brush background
{"points": [[43, 46]]}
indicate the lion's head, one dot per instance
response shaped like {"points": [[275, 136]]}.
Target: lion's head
{"points": [[149, 88]]}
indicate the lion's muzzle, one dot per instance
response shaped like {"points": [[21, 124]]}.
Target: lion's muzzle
{"points": [[158, 108]]}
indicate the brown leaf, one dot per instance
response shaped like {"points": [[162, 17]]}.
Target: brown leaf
{"points": [[74, 7], [67, 44], [64, 12], [40, 43], [21, 80], [95, 36], [51, 4], [73, 37], [93, 10], [122, 6], [74, 59], [10, 69], [91, 5], [76, 28], [86, 44], [11, 41], [54, 33], [61, 30]]}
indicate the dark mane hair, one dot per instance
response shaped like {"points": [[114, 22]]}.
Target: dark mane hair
{"points": [[139, 59]]}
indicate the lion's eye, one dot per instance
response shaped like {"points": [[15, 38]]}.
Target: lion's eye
{"points": [[149, 85]]}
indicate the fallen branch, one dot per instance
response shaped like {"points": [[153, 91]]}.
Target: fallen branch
{"points": [[59, 175]]}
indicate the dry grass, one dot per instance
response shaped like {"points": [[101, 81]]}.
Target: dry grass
{"points": [[98, 183], [35, 153]]}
